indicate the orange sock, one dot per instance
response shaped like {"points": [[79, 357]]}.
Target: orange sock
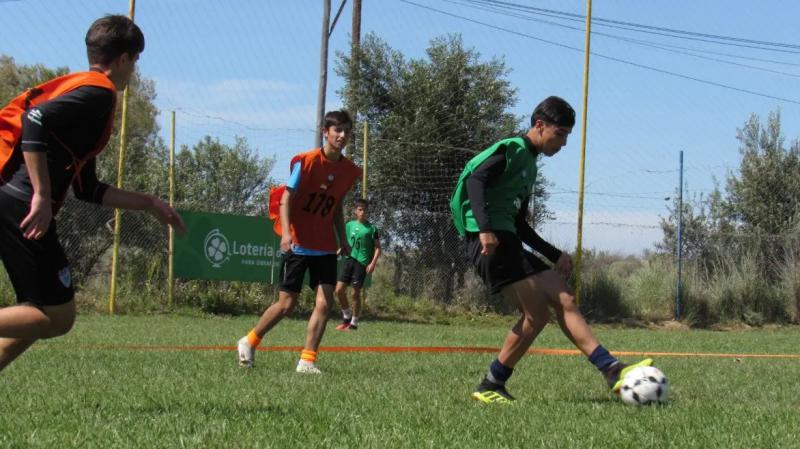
{"points": [[253, 339], [308, 356]]}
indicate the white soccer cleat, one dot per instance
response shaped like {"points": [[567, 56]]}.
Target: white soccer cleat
{"points": [[307, 368], [247, 353]]}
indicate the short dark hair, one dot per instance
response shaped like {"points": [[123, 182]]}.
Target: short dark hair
{"points": [[111, 36], [361, 202], [337, 118], [554, 110]]}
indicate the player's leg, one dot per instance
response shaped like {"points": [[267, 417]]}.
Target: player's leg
{"points": [[570, 318], [322, 273], [359, 275], [22, 325], [574, 326], [11, 348], [345, 278], [293, 269], [356, 298], [535, 316], [316, 329], [506, 271], [40, 274]]}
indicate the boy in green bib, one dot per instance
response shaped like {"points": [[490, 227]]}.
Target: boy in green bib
{"points": [[366, 249], [490, 208]]}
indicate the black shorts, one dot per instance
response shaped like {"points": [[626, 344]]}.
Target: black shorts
{"points": [[321, 270], [38, 269], [353, 273], [509, 263]]}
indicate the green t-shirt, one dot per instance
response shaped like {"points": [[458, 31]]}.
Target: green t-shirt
{"points": [[504, 199], [361, 237]]}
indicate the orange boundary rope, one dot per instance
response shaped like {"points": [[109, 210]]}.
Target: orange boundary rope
{"points": [[427, 349]]}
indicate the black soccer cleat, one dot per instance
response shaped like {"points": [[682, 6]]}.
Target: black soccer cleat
{"points": [[489, 392], [616, 372]]}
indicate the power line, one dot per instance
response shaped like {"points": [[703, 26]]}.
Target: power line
{"points": [[672, 49], [611, 58], [683, 34], [606, 223]]}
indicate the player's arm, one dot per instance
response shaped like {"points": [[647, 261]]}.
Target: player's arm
{"points": [[83, 104], [286, 206], [36, 223], [529, 236], [338, 224], [126, 199], [286, 237], [484, 176], [375, 255]]}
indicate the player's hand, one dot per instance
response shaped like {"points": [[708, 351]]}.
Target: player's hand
{"points": [[564, 265], [370, 268], [167, 215], [286, 244], [489, 243], [346, 249], [35, 224]]}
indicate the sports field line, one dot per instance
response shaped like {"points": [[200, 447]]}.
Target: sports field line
{"points": [[425, 349]]}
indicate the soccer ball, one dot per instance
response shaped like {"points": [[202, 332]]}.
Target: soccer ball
{"points": [[644, 385]]}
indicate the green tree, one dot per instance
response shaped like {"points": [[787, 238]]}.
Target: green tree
{"points": [[695, 229], [758, 214], [765, 196], [427, 117], [15, 78], [215, 177]]}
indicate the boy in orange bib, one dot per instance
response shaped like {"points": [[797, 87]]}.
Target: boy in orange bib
{"points": [[310, 221]]}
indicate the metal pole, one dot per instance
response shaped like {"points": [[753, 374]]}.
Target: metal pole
{"points": [[123, 141], [323, 72], [171, 255], [680, 241], [579, 249]]}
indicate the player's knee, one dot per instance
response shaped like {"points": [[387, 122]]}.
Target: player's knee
{"points": [[323, 307], [59, 327], [285, 305], [567, 302], [537, 322]]}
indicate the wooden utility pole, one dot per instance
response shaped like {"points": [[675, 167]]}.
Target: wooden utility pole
{"points": [[323, 71], [356, 27]]}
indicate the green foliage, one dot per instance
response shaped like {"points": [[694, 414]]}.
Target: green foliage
{"points": [[765, 196], [650, 290], [215, 177], [427, 117], [15, 78]]}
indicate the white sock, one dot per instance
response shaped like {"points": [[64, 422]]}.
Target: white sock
{"points": [[347, 314], [305, 363], [354, 320]]}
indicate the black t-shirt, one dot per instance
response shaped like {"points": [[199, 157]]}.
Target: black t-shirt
{"points": [[66, 127]]}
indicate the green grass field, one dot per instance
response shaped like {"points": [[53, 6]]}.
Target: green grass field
{"points": [[66, 393]]}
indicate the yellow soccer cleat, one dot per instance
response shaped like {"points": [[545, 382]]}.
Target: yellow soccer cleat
{"points": [[490, 393], [619, 370]]}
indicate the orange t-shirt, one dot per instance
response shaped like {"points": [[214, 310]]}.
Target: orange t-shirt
{"points": [[323, 185]]}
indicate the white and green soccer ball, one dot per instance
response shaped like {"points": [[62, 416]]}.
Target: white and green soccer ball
{"points": [[644, 385]]}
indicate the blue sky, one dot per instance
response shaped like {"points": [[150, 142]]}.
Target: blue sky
{"points": [[250, 68]]}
